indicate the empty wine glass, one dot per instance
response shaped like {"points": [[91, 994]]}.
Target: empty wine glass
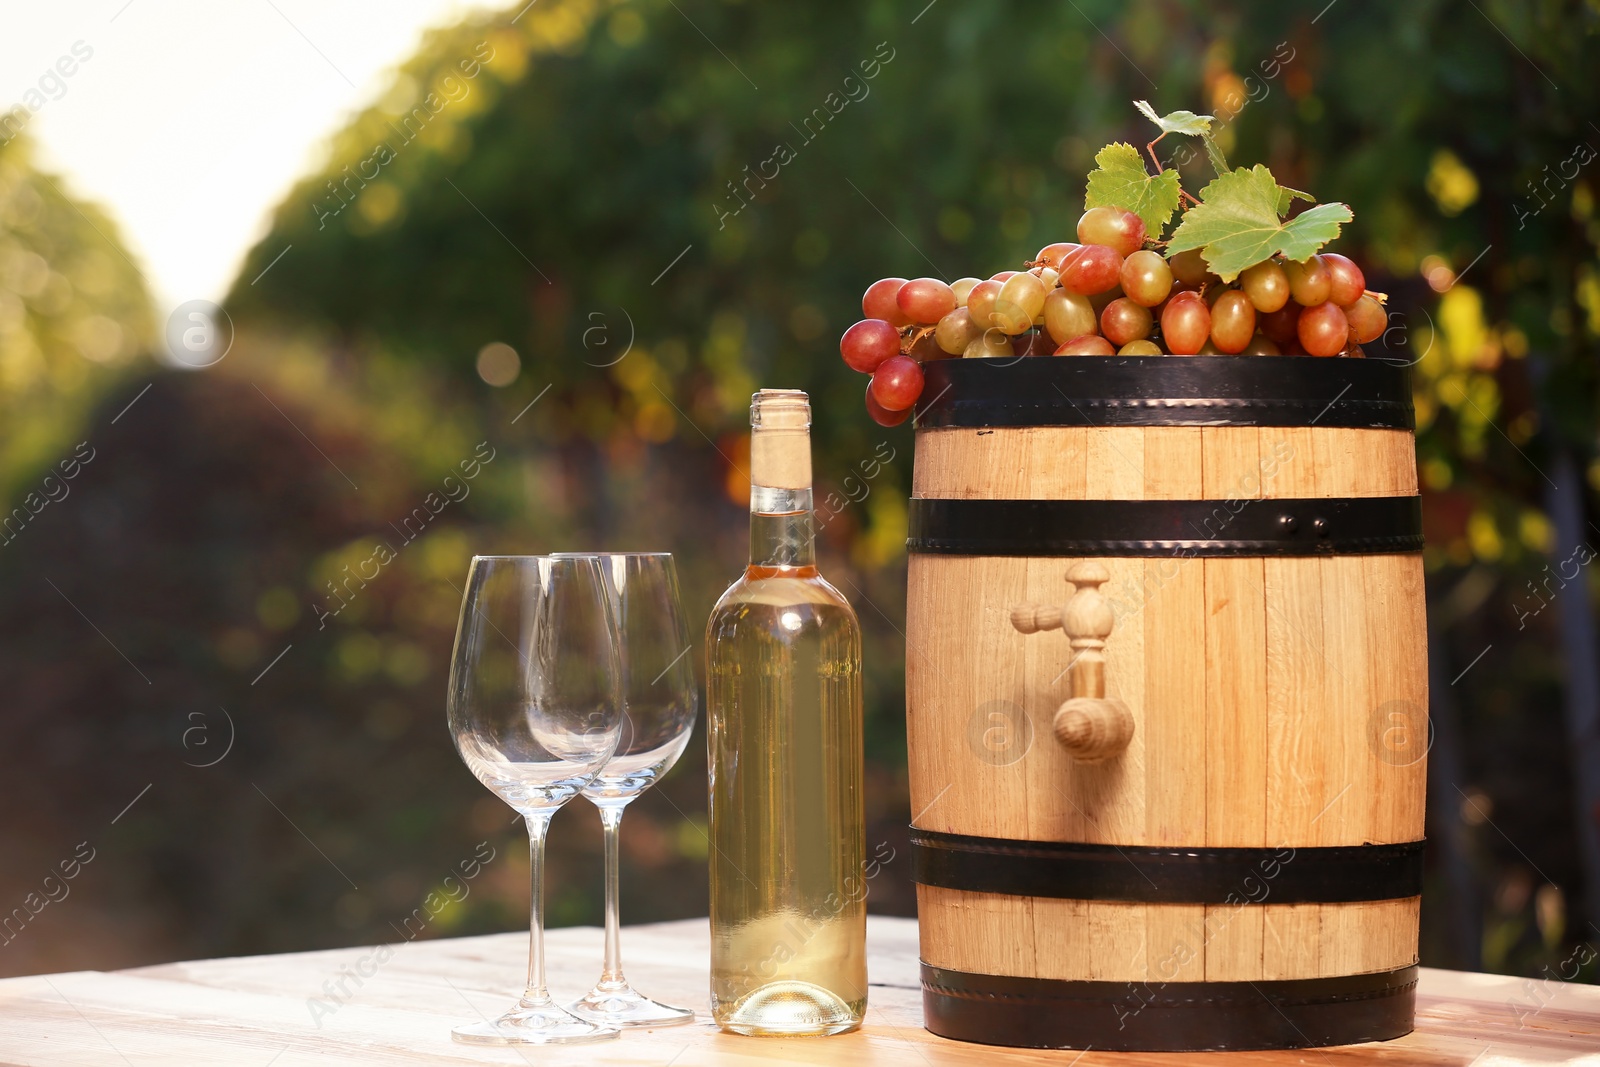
{"points": [[659, 703], [535, 709]]}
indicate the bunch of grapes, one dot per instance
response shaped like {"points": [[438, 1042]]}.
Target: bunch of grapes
{"points": [[1107, 294]]}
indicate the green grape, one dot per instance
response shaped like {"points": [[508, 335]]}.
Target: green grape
{"points": [[1267, 286], [994, 344], [1146, 278], [1021, 298], [1068, 315], [956, 331], [1112, 227], [1189, 269], [980, 302], [1309, 282]]}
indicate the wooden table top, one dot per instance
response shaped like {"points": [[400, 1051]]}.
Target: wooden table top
{"points": [[259, 1011]]}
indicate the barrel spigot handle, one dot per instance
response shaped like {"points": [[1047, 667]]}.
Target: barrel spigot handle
{"points": [[1090, 725]]}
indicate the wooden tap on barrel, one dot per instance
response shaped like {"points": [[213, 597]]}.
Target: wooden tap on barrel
{"points": [[1091, 726]]}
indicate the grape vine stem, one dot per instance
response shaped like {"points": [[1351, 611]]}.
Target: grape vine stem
{"points": [[1151, 150]]}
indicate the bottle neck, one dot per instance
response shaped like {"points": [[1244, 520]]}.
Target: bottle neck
{"points": [[781, 534]]}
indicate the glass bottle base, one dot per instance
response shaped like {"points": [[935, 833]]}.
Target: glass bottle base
{"points": [[790, 1009]]}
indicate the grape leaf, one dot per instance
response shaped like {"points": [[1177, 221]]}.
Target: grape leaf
{"points": [[1186, 122], [1236, 224], [1120, 180], [1287, 196], [1219, 162]]}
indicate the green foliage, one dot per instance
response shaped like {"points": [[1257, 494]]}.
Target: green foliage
{"points": [[1219, 162], [74, 312], [1236, 224], [1121, 180], [1184, 122], [1287, 197]]}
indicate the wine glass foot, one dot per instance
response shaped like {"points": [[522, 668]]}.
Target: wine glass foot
{"points": [[623, 1007], [533, 1025]]}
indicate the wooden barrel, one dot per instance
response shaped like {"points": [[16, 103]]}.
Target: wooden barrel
{"points": [[1166, 683]]}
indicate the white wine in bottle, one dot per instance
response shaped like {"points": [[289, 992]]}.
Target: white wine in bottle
{"points": [[783, 650]]}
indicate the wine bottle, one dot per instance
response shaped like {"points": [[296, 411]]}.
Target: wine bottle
{"points": [[783, 650]]}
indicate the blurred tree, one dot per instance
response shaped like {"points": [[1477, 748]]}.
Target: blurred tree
{"points": [[72, 302]]}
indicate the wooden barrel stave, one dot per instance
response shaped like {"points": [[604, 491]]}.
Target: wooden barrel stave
{"points": [[1120, 942]]}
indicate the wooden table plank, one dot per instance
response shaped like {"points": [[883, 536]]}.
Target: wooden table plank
{"points": [[287, 1011]]}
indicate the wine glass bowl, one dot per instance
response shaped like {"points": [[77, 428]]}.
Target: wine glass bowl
{"points": [[660, 702], [535, 710], [640, 759]]}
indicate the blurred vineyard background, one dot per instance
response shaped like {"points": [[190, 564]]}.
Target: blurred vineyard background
{"points": [[548, 255]]}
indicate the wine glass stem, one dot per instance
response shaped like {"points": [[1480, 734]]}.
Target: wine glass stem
{"points": [[538, 824], [611, 975]]}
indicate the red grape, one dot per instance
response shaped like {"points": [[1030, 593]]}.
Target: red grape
{"points": [[980, 303], [1035, 342], [1092, 269], [1053, 255], [882, 415], [925, 300], [1146, 278], [1346, 283], [1099, 301], [1309, 282], [1123, 321], [1280, 325], [961, 287], [1266, 285], [1068, 315], [1185, 324], [1367, 320], [1002, 277], [1141, 347], [1323, 330], [1122, 231], [879, 302], [897, 383], [868, 343], [1261, 345], [1090, 344], [1233, 321], [1189, 268]]}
